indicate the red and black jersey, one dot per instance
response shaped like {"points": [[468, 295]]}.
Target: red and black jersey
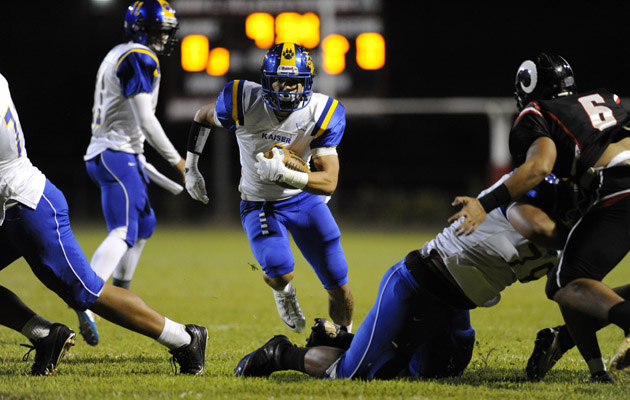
{"points": [[581, 125]]}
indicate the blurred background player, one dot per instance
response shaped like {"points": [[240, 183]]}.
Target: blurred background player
{"points": [[283, 110], [126, 94], [583, 137], [34, 224], [419, 324]]}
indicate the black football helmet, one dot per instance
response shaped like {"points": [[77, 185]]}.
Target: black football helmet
{"points": [[546, 77]]}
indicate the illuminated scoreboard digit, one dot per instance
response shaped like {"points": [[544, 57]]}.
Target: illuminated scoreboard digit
{"points": [[265, 30], [222, 40]]}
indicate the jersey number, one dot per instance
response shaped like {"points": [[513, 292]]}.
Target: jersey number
{"points": [[10, 121], [601, 116], [535, 272], [98, 109]]}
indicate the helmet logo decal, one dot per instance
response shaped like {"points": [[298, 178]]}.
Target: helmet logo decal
{"points": [[288, 61], [288, 54], [527, 76], [136, 8], [168, 10], [309, 62]]}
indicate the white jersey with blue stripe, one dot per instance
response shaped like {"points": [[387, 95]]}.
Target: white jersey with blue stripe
{"points": [[128, 69], [491, 258], [240, 108], [20, 180]]}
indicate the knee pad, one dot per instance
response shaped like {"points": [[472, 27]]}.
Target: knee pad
{"points": [[119, 233], [276, 262]]}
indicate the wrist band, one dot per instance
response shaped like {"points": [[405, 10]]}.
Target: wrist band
{"points": [[197, 137], [497, 197], [296, 179]]}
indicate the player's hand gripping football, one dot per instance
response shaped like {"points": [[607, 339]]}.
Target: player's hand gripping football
{"points": [[195, 184], [473, 214], [271, 169]]}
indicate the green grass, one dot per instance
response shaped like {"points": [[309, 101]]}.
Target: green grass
{"points": [[206, 277]]}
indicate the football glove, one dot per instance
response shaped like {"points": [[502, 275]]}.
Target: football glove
{"points": [[195, 184], [274, 170]]}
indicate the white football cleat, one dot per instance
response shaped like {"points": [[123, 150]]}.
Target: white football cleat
{"points": [[289, 309]]}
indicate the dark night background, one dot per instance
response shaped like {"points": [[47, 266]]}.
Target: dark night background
{"points": [[397, 168]]}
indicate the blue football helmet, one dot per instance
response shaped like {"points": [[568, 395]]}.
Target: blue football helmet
{"points": [[152, 23], [546, 77], [287, 64]]}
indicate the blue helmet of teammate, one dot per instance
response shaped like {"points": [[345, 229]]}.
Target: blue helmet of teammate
{"points": [[287, 73], [546, 77], [152, 23]]}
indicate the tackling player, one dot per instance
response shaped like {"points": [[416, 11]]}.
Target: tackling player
{"points": [[283, 110], [419, 324], [584, 137], [34, 224], [125, 97]]}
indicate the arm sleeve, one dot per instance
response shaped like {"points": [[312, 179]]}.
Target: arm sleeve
{"points": [[136, 70], [229, 105], [330, 125], [148, 122]]}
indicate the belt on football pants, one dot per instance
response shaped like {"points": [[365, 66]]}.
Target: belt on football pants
{"points": [[433, 277]]}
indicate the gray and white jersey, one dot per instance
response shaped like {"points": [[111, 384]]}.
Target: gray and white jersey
{"points": [[493, 257]]}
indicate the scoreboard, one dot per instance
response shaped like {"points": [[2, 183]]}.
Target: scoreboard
{"points": [[222, 40]]}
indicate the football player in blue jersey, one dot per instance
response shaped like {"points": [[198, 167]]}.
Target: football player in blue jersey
{"points": [[283, 111], [125, 97], [419, 324], [34, 224], [585, 138]]}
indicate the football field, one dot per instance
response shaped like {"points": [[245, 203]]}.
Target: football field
{"points": [[209, 277]]}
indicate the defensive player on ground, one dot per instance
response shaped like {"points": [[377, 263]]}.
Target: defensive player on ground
{"points": [[34, 224], [125, 97], [419, 324], [275, 200]]}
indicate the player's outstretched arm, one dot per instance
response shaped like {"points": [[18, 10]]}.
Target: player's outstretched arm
{"points": [[539, 162]]}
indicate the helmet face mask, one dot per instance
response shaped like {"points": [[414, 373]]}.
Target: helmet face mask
{"points": [[152, 23], [546, 77], [287, 77]]}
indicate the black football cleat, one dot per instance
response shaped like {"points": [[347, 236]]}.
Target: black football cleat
{"points": [[603, 377], [192, 357], [547, 352], [49, 351], [264, 360]]}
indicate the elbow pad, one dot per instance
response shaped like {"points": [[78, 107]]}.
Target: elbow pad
{"points": [[197, 137]]}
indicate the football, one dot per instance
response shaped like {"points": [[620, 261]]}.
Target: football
{"points": [[291, 160]]}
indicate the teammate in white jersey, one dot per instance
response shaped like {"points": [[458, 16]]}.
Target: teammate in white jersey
{"points": [[283, 111], [34, 224], [125, 97], [419, 324]]}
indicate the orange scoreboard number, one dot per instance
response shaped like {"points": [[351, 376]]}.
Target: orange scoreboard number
{"points": [[304, 29]]}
